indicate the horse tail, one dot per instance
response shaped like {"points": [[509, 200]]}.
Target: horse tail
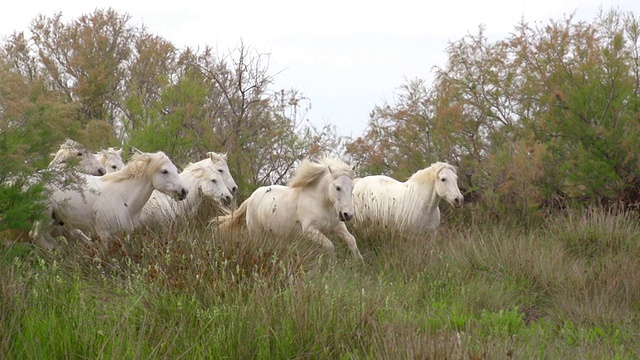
{"points": [[233, 219]]}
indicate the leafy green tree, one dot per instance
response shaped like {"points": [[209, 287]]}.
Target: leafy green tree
{"points": [[400, 138], [86, 59], [543, 117], [31, 123]]}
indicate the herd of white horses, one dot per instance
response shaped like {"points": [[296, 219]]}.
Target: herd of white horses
{"points": [[101, 196]]}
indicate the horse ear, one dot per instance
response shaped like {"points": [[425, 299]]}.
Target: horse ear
{"points": [[136, 150], [215, 157]]}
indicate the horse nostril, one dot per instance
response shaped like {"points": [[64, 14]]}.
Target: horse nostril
{"points": [[184, 193], [101, 171], [233, 189]]}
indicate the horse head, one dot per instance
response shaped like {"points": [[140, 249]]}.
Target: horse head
{"points": [[340, 189], [210, 183], [111, 159], [447, 186], [340, 192], [73, 154], [220, 165], [163, 173]]}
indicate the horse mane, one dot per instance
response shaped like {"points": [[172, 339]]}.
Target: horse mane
{"points": [[430, 173], [309, 172], [140, 165], [197, 169]]}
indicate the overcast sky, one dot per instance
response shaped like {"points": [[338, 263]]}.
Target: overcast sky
{"points": [[346, 56]]}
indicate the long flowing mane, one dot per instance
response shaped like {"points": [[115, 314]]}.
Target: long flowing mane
{"points": [[140, 165], [309, 172], [430, 174], [197, 169]]}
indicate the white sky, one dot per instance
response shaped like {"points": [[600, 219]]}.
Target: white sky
{"points": [[346, 56]]}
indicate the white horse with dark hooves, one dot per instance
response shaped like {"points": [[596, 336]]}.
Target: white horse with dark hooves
{"points": [[112, 203], [317, 201]]}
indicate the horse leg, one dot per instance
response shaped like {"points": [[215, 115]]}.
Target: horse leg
{"points": [[41, 236], [318, 237], [76, 234], [343, 232]]}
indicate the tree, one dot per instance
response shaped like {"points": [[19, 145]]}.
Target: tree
{"points": [[549, 113], [399, 139]]}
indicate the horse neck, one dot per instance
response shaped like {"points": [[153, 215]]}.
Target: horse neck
{"points": [[426, 193], [317, 191], [135, 192]]}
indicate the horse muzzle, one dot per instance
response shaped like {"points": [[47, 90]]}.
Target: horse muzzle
{"points": [[182, 194], [345, 216], [226, 200]]}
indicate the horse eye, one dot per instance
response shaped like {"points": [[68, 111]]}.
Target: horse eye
{"points": [[220, 171], [338, 188], [79, 153], [165, 171], [114, 167], [214, 181], [443, 179]]}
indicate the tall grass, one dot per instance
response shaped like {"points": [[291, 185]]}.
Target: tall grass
{"points": [[567, 288]]}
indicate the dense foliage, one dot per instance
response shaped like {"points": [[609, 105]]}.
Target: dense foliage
{"points": [[534, 121]]}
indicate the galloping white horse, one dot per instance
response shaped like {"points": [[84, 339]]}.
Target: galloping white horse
{"points": [[111, 159], [410, 205], [317, 200], [111, 203], [202, 179]]}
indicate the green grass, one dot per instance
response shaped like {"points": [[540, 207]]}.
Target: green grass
{"points": [[563, 289]]}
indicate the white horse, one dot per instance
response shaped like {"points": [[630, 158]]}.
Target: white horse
{"points": [[317, 200], [202, 179], [410, 205], [111, 203], [111, 159]]}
